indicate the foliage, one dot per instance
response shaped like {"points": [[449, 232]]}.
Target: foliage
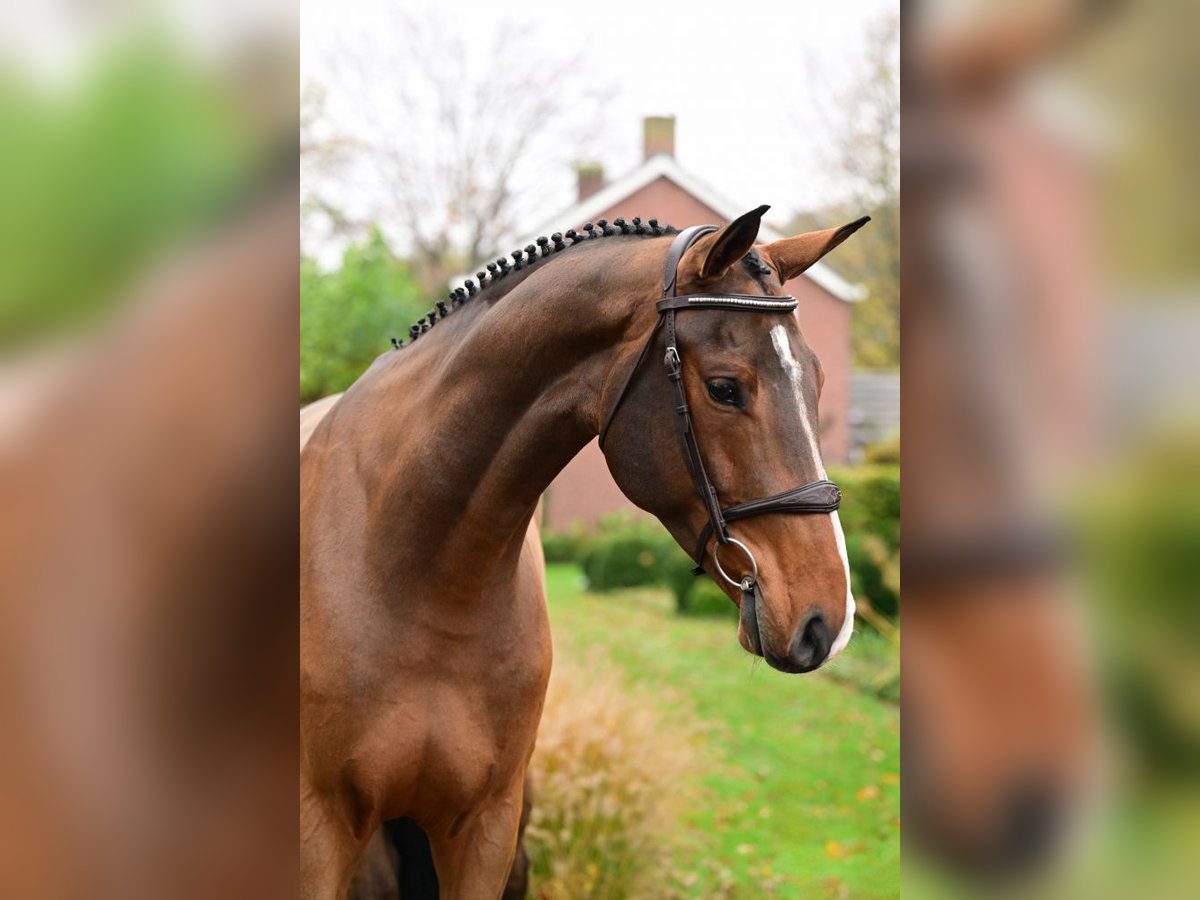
{"points": [[99, 178], [869, 154], [870, 258], [871, 665], [565, 546], [680, 581], [705, 598], [614, 774], [864, 122], [875, 263], [883, 453], [1140, 526], [795, 791], [629, 552], [870, 565], [624, 552], [870, 515], [347, 315], [871, 501]]}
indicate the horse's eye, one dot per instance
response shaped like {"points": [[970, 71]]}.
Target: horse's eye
{"points": [[725, 390]]}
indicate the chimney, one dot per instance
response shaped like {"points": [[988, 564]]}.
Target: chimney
{"points": [[659, 135], [591, 178]]}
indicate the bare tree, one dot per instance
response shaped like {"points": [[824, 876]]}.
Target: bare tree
{"points": [[323, 155], [457, 135], [863, 122], [870, 155], [867, 145]]}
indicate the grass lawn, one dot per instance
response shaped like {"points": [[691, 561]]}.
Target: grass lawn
{"points": [[804, 786]]}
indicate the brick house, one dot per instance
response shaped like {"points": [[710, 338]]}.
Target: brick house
{"points": [[660, 188]]}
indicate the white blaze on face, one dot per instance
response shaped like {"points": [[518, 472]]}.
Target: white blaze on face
{"points": [[843, 636], [783, 347]]}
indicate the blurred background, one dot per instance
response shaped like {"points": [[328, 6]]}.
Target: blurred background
{"points": [[148, 322], [435, 138], [148, 364], [1051, 503]]}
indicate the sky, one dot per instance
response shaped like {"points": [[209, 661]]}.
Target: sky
{"points": [[752, 85]]}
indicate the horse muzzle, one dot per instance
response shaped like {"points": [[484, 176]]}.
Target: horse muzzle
{"points": [[808, 648]]}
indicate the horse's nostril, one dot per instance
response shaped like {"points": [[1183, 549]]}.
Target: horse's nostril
{"points": [[812, 643]]}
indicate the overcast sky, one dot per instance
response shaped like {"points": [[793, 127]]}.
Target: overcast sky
{"points": [[741, 78]]}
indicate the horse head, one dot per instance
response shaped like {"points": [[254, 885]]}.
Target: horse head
{"points": [[752, 385]]}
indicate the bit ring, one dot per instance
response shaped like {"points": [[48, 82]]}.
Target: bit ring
{"points": [[753, 576]]}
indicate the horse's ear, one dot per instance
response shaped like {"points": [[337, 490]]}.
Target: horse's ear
{"points": [[793, 255], [724, 248]]}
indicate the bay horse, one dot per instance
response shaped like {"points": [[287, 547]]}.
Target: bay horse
{"points": [[425, 644], [1002, 744]]}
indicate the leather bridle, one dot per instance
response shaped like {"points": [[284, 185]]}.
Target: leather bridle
{"points": [[815, 497]]}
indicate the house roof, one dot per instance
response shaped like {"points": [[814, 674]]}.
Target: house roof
{"points": [[662, 165]]}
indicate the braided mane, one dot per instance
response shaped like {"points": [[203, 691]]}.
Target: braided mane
{"points": [[527, 258]]}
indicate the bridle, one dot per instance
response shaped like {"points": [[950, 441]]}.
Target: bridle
{"points": [[815, 497]]}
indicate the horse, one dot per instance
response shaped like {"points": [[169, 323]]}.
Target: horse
{"points": [[425, 643], [1000, 720]]}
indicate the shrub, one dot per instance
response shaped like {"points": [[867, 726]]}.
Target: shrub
{"points": [[629, 553], [869, 573], [613, 783], [347, 315], [885, 453], [101, 176], [872, 666], [870, 515], [871, 503], [565, 546], [706, 599], [640, 552], [679, 580]]}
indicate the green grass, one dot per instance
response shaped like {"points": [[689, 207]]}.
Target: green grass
{"points": [[803, 792]]}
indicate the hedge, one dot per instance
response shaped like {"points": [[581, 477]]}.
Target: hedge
{"points": [[565, 546], [870, 515], [624, 552], [627, 552]]}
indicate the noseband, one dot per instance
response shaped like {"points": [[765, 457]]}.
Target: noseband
{"points": [[814, 497]]}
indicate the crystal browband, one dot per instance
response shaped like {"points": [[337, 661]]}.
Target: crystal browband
{"points": [[728, 301]]}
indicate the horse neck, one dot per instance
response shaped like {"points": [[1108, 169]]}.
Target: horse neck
{"points": [[483, 412]]}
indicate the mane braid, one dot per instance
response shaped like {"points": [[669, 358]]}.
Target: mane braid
{"points": [[542, 248]]}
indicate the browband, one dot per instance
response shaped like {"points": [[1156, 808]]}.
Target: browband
{"points": [[755, 302]]}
